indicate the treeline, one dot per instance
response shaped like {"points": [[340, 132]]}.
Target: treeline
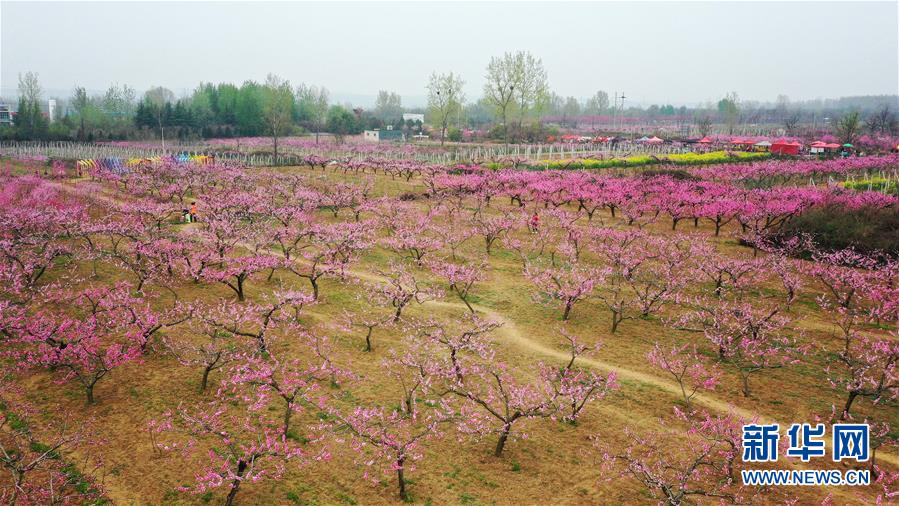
{"points": [[517, 104], [272, 108]]}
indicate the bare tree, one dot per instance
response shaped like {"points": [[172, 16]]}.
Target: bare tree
{"points": [[118, 101], [388, 106], [883, 121], [888, 123], [30, 87], [791, 123], [849, 126], [596, 105], [729, 109], [533, 88], [703, 125], [313, 105], [278, 107], [445, 99], [782, 107], [159, 97], [571, 110], [29, 114], [502, 77], [80, 102]]}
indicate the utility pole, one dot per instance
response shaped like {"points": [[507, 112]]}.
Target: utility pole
{"points": [[615, 112]]}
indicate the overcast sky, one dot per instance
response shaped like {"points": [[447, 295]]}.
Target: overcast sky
{"points": [[655, 52]]}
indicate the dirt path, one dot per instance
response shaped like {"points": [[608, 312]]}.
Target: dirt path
{"points": [[516, 337]]}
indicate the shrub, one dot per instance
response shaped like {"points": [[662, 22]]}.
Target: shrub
{"points": [[833, 227], [678, 174]]}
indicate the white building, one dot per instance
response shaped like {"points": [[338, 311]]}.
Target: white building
{"points": [[414, 117], [378, 135], [5, 115], [51, 109]]}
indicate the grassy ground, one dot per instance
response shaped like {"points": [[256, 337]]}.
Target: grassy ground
{"points": [[556, 463]]}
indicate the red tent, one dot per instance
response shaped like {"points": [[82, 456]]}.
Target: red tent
{"points": [[782, 147], [654, 140], [705, 140]]}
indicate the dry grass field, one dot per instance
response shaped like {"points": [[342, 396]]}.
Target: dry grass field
{"points": [[556, 463]]}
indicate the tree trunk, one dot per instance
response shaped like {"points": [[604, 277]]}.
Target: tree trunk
{"points": [[235, 485], [501, 443], [205, 380], [89, 390], [401, 480], [368, 339], [567, 311], [240, 295], [261, 342], [19, 480], [287, 414], [314, 283], [745, 378], [505, 127], [456, 367], [615, 321], [466, 303], [872, 468], [849, 401]]}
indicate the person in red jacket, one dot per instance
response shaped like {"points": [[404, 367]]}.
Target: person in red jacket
{"points": [[534, 223]]}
